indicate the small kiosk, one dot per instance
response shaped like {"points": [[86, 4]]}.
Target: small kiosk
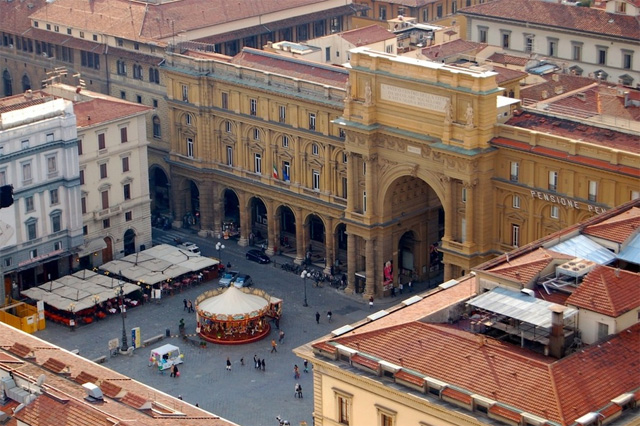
{"points": [[165, 357]]}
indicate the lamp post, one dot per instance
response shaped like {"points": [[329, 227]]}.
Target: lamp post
{"points": [[72, 322], [219, 247], [120, 293], [304, 275]]}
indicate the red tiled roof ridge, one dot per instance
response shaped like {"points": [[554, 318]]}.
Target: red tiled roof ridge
{"points": [[301, 61], [608, 291]]}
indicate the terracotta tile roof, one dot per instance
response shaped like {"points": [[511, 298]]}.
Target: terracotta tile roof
{"points": [[110, 389], [457, 395], [367, 362], [135, 56], [55, 365], [367, 35], [617, 229], [134, 400], [501, 411], [65, 40], [15, 15], [452, 48], [519, 378], [411, 378], [21, 350], [100, 110], [527, 268], [508, 74], [504, 59], [292, 67], [47, 411], [558, 16], [16, 102], [85, 377], [555, 83], [608, 291]]}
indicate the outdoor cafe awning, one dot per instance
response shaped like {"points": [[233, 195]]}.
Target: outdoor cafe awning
{"points": [[92, 246]]}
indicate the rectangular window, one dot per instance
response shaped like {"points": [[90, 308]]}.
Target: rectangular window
{"points": [[57, 245], [386, 420], [123, 135], [312, 121], [227, 125], [105, 199], [50, 137], [123, 94], [286, 171], [555, 212], [256, 134], [103, 171], [81, 177], [553, 47], [52, 166], [33, 253], [593, 190], [528, 43], [56, 223], [314, 149], [327, 54], [224, 100], [439, 11], [382, 13], [516, 201], [505, 39], [128, 216], [515, 171], [85, 230], [253, 106], [482, 34], [83, 204], [425, 15], [576, 52], [79, 146], [344, 188], [285, 141], [190, 147], [463, 196], [126, 189], [125, 164], [603, 330], [257, 163], [343, 410], [282, 114], [602, 56], [26, 173], [28, 204], [627, 59], [138, 100], [102, 142], [553, 181], [106, 223], [53, 196], [364, 201], [515, 235], [32, 231], [341, 133], [185, 93], [316, 180], [25, 144], [229, 156]]}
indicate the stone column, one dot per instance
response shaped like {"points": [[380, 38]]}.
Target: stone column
{"points": [[470, 210], [272, 235], [216, 198], [177, 202], [368, 185], [245, 219], [450, 211], [300, 237], [296, 167], [370, 287], [350, 182], [206, 208], [351, 264], [329, 244]]}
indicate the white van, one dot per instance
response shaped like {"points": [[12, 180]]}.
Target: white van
{"points": [[165, 356], [190, 247]]}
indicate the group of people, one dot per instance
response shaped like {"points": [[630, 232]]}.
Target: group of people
{"points": [[258, 363], [188, 305], [329, 315]]}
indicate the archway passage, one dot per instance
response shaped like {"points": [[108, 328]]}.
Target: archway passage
{"points": [[107, 252], [259, 227], [287, 229], [315, 251], [231, 215], [159, 188], [129, 242], [6, 83], [194, 213], [419, 217]]}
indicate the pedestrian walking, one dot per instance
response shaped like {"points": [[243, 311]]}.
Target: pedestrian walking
{"points": [[274, 346], [298, 390], [281, 339], [317, 317], [242, 361], [185, 304], [263, 364], [228, 364], [306, 365], [410, 286], [189, 306], [371, 302], [256, 362], [277, 323], [296, 372], [329, 315], [174, 371], [393, 291]]}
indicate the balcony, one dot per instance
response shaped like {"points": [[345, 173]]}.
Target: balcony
{"points": [[106, 213]]}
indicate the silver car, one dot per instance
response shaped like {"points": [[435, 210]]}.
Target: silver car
{"points": [[242, 281], [227, 278]]}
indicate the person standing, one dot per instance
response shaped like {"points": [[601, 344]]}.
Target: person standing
{"points": [[400, 287], [299, 390], [189, 306], [274, 346], [228, 364], [185, 304], [296, 372], [410, 286], [281, 339], [306, 365], [371, 302], [174, 371], [263, 364], [317, 317], [256, 363], [329, 315]]}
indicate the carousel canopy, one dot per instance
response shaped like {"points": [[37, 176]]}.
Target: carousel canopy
{"points": [[233, 302]]}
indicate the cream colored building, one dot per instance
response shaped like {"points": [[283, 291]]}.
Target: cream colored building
{"points": [[115, 202], [379, 173]]}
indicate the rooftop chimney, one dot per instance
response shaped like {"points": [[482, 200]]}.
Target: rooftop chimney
{"points": [[556, 339]]}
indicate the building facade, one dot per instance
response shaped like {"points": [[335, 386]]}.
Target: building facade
{"points": [[396, 172], [39, 157]]}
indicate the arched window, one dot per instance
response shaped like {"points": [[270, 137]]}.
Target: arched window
{"points": [[157, 130], [154, 75], [6, 80], [26, 83]]}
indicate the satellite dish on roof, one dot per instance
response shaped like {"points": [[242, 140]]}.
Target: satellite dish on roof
{"points": [[41, 380]]}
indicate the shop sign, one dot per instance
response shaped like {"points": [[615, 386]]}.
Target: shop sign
{"points": [[41, 257], [566, 202]]}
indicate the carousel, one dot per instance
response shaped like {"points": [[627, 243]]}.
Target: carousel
{"points": [[233, 315]]}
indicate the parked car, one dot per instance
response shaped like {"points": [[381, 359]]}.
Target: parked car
{"points": [[257, 256], [190, 247], [227, 278], [243, 281]]}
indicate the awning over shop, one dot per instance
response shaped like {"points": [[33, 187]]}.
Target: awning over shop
{"points": [[92, 246]]}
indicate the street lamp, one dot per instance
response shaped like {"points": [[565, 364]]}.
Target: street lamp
{"points": [[72, 322], [120, 293], [219, 247], [304, 275]]}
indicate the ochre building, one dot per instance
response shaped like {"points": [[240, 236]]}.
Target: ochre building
{"points": [[389, 170]]}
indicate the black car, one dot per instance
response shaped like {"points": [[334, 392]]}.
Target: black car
{"points": [[257, 256]]}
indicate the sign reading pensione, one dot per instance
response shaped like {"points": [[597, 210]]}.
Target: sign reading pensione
{"points": [[413, 98]]}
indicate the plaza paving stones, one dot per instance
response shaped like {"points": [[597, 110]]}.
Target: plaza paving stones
{"points": [[243, 395]]}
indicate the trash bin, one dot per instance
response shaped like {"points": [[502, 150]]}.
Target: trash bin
{"points": [[167, 333]]}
